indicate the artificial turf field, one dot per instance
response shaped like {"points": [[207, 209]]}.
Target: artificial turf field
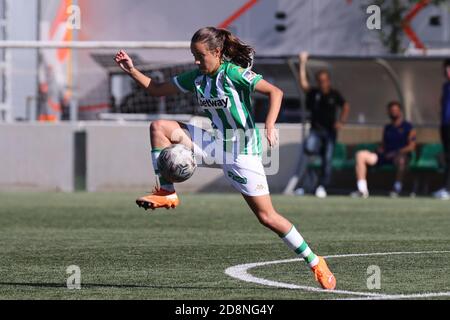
{"points": [[128, 253]]}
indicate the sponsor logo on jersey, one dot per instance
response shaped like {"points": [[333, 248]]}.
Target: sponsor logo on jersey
{"points": [[218, 103], [249, 75]]}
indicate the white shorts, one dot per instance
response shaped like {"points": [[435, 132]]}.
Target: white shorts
{"points": [[244, 172]]}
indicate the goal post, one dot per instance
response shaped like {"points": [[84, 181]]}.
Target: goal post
{"points": [[94, 44]]}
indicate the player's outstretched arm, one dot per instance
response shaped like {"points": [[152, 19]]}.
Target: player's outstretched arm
{"points": [[155, 89], [275, 97]]}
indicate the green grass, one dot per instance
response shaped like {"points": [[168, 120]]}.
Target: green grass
{"points": [[127, 253]]}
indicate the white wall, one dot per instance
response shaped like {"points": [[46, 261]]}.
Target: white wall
{"points": [[118, 158], [37, 157], [41, 157]]}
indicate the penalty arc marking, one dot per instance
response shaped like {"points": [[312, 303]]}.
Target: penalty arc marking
{"points": [[241, 272]]}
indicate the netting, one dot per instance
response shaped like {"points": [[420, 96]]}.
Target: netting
{"points": [[137, 100], [86, 84]]}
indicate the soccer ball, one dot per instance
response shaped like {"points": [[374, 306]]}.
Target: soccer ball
{"points": [[176, 163]]}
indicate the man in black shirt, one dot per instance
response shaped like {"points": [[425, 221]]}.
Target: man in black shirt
{"points": [[329, 112]]}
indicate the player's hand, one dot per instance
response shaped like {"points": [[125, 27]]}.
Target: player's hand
{"points": [[272, 136], [124, 61], [303, 57]]}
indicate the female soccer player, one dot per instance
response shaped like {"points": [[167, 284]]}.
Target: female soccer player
{"points": [[222, 84]]}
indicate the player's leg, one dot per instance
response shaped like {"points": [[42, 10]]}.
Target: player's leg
{"points": [[163, 133], [166, 132], [246, 174], [263, 209], [363, 159]]}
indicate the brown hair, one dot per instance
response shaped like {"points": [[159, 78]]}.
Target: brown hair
{"points": [[394, 103], [322, 71], [231, 47]]}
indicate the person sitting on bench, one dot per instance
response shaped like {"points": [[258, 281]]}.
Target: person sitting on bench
{"points": [[399, 140]]}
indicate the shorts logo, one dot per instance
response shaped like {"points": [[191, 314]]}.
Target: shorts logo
{"points": [[260, 187], [236, 178], [217, 103]]}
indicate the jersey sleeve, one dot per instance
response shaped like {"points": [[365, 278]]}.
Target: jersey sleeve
{"points": [[243, 78], [409, 129], [185, 81]]}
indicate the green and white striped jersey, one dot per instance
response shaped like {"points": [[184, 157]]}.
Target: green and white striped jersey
{"points": [[225, 99]]}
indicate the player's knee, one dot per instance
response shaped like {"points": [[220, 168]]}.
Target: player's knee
{"points": [[361, 156], [266, 218], [156, 126]]}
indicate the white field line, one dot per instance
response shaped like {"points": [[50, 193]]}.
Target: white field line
{"points": [[403, 296], [241, 272]]}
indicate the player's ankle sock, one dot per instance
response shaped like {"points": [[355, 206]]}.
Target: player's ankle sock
{"points": [[362, 186], [163, 183], [295, 241], [397, 186]]}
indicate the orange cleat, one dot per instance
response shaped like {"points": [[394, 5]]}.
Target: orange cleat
{"points": [[159, 198], [323, 275]]}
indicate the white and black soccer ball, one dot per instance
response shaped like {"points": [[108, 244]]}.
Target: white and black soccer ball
{"points": [[176, 163]]}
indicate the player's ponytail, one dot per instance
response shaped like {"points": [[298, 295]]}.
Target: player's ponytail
{"points": [[232, 48], [236, 51]]}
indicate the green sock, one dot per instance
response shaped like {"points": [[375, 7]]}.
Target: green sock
{"points": [[295, 241], [163, 183]]}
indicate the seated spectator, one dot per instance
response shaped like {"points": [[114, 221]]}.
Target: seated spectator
{"points": [[399, 140]]}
